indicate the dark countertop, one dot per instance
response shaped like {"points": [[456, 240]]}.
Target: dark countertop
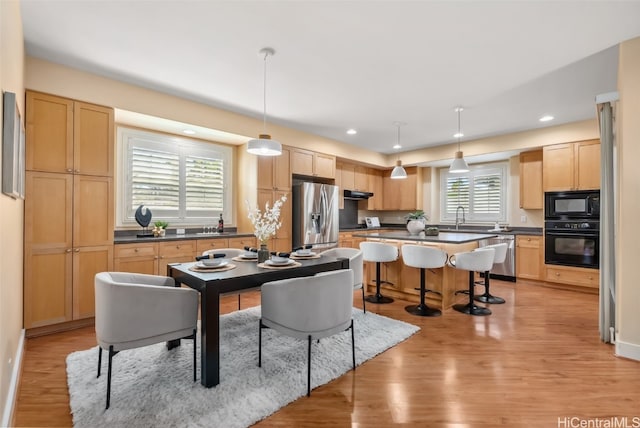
{"points": [[533, 231], [442, 237], [129, 236]]}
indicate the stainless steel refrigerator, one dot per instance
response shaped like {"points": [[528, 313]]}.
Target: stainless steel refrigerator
{"points": [[315, 215]]}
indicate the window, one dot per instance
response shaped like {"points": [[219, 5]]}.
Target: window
{"points": [[182, 181], [482, 192]]}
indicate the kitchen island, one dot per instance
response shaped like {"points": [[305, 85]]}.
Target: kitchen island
{"points": [[402, 282]]}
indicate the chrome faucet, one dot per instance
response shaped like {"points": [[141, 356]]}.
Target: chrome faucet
{"points": [[460, 207]]}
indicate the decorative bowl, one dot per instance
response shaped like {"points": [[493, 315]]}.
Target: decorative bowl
{"points": [[304, 252], [279, 260]]}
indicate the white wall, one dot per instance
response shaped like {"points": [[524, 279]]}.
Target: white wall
{"points": [[11, 212]]}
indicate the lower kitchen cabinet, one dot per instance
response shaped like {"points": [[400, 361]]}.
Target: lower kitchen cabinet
{"points": [[61, 284], [582, 277], [152, 258], [529, 257]]}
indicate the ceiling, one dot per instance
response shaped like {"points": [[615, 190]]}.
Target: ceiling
{"points": [[353, 64]]}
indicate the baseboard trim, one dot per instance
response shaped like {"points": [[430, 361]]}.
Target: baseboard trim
{"points": [[9, 406], [627, 350]]}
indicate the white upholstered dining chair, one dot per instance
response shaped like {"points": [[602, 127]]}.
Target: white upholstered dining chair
{"points": [[135, 310], [309, 308], [355, 264]]}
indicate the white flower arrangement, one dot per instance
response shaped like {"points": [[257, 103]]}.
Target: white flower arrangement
{"points": [[265, 224]]}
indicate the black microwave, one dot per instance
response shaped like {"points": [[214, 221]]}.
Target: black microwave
{"points": [[572, 205]]}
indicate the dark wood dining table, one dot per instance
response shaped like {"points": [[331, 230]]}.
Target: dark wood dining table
{"points": [[244, 276]]}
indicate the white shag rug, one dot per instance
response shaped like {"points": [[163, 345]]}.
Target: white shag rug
{"points": [[153, 387]]}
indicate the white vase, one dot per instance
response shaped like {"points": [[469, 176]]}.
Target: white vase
{"points": [[415, 226]]}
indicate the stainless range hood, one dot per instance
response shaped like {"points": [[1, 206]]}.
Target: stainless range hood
{"points": [[356, 194]]}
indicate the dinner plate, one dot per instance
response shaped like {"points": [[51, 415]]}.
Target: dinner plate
{"points": [[272, 263], [250, 256], [311, 254], [203, 266]]}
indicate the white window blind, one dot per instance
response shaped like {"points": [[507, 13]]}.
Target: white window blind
{"points": [[481, 192], [182, 181]]}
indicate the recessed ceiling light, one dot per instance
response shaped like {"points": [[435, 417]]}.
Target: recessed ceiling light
{"points": [[546, 118], [189, 131], [397, 146], [458, 135], [352, 132]]}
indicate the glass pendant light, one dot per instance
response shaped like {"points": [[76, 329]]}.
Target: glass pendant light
{"points": [[398, 171], [264, 145], [459, 164]]}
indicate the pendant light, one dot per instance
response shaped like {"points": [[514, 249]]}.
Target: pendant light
{"points": [[459, 164], [398, 172], [264, 145]]}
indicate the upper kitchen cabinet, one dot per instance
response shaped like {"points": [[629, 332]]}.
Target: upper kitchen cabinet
{"points": [[571, 166], [402, 194], [374, 176], [531, 194], [313, 164], [274, 172], [68, 136]]}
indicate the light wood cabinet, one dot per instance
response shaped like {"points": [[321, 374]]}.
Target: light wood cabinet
{"points": [[68, 136], [401, 194], [582, 277], [338, 182], [274, 172], [375, 202], [529, 257], [69, 221], [531, 194], [571, 166], [175, 252], [247, 241], [137, 258], [313, 164], [68, 210]]}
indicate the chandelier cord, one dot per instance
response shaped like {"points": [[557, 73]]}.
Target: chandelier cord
{"points": [[264, 95]]}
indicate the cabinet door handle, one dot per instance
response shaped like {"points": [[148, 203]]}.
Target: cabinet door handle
{"points": [[77, 250], [557, 273], [68, 250], [69, 170], [77, 171]]}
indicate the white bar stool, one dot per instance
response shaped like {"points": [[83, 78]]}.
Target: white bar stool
{"points": [[379, 253], [422, 257], [355, 264], [499, 257], [479, 260]]}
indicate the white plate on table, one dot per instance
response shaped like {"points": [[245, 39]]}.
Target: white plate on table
{"points": [[284, 263], [201, 265], [249, 256], [311, 254]]}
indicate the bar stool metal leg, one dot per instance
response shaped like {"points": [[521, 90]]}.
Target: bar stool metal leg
{"points": [[378, 297], [471, 308], [422, 309], [487, 297]]}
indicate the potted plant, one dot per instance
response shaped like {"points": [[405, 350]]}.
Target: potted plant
{"points": [[416, 221], [159, 228]]}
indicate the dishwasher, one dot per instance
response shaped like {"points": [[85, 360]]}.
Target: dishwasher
{"points": [[505, 271]]}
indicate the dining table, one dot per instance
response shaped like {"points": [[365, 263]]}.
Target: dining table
{"points": [[245, 274]]}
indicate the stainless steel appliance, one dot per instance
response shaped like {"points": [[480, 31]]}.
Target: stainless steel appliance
{"points": [[315, 215], [572, 243], [572, 205], [505, 271]]}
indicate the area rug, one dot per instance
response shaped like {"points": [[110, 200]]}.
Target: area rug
{"points": [[152, 386]]}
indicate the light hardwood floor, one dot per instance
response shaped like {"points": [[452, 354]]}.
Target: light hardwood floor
{"points": [[536, 361]]}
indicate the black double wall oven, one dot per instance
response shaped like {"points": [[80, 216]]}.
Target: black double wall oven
{"points": [[572, 228]]}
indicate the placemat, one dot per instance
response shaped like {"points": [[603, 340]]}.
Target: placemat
{"points": [[211, 270], [297, 257], [292, 265], [243, 259]]}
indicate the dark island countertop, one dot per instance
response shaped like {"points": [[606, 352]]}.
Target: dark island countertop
{"points": [[532, 231], [442, 237]]}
